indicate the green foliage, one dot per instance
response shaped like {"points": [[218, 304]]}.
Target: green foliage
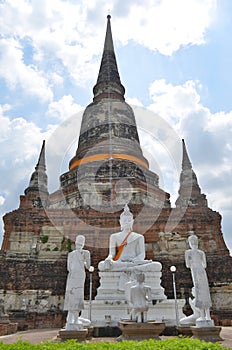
{"points": [[69, 245], [44, 239], [167, 344], [63, 244], [66, 244], [55, 249]]}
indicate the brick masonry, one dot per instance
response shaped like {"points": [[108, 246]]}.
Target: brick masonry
{"points": [[46, 270]]}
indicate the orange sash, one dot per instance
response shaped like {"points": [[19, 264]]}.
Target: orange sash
{"points": [[120, 248]]}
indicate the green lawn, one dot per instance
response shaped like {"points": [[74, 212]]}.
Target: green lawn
{"points": [[167, 344]]}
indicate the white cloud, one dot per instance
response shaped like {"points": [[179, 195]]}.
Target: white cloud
{"points": [[69, 34], [64, 108], [174, 103], [208, 138], [56, 79], [167, 25], [16, 72], [20, 143], [134, 101]]}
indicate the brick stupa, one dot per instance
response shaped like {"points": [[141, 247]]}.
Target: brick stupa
{"points": [[107, 171]]}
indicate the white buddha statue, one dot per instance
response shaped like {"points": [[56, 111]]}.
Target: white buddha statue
{"points": [[127, 248], [126, 258]]}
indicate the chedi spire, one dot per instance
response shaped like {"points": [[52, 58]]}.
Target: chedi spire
{"points": [[189, 192], [109, 148], [38, 181], [108, 82]]}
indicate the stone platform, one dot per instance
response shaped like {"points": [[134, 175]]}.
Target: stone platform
{"points": [[209, 334], [185, 330], [140, 331], [80, 335]]}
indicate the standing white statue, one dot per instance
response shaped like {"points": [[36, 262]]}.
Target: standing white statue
{"points": [[195, 260], [139, 298], [78, 260]]}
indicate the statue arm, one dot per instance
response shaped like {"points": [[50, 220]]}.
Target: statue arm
{"points": [[108, 262], [69, 263], [204, 264], [148, 294], [140, 249], [87, 259], [187, 260], [112, 248]]}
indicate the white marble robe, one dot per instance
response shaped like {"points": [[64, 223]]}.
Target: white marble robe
{"points": [[195, 260], [74, 294]]}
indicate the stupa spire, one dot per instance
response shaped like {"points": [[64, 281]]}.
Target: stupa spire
{"points": [[38, 181], [189, 191], [108, 82], [41, 160], [109, 149], [186, 164], [108, 39]]}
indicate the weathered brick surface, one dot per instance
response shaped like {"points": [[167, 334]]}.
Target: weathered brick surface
{"points": [[18, 274], [32, 320], [8, 328], [30, 272]]}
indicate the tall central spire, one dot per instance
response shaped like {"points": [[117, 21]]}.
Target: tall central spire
{"points": [[108, 83], [109, 149], [108, 128]]}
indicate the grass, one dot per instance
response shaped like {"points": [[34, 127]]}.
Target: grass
{"points": [[177, 343]]}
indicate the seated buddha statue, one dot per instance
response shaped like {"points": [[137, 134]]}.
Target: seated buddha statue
{"points": [[127, 249]]}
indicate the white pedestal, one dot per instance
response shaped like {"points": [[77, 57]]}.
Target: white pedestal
{"points": [[109, 313], [112, 285]]}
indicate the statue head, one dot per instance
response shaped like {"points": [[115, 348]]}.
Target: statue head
{"points": [[126, 219], [80, 241], [193, 241]]}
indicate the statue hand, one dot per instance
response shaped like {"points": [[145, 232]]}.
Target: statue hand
{"points": [[108, 263]]}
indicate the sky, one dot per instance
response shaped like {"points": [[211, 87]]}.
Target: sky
{"points": [[174, 58]]}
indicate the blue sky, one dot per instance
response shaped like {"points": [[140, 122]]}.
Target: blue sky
{"points": [[174, 58]]}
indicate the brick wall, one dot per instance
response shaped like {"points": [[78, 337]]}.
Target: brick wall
{"points": [[27, 271]]}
